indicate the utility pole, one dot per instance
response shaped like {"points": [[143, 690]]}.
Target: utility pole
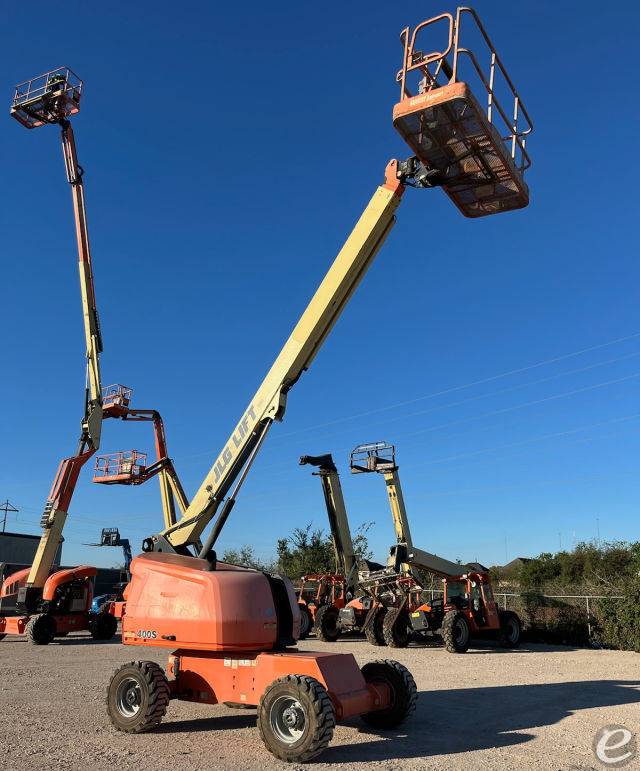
{"points": [[7, 507]]}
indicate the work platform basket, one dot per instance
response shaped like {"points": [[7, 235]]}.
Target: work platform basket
{"points": [[121, 468], [116, 399], [476, 141], [377, 456], [48, 98]]}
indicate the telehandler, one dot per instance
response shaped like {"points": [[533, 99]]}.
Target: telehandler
{"points": [[110, 536], [329, 603], [232, 629], [36, 601], [467, 609]]}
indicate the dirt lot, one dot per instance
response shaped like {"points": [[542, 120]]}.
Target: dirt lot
{"points": [[537, 707]]}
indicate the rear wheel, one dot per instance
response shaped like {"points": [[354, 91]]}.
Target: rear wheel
{"points": [[296, 718], [402, 688], [306, 622], [455, 632], [373, 631], [40, 629], [395, 628], [2, 636], [137, 697], [326, 623], [510, 629], [103, 626]]}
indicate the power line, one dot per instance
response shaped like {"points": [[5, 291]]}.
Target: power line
{"points": [[6, 508], [464, 386]]}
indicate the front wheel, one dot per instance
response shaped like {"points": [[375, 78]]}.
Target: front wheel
{"points": [[103, 626], [326, 623], [510, 629], [402, 689], [395, 628], [137, 697], [374, 630], [306, 622], [40, 629], [296, 718], [455, 632]]}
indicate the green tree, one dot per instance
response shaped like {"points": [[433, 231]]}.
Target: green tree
{"points": [[245, 557], [311, 551]]}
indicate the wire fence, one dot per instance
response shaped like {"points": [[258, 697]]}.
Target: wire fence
{"points": [[508, 600]]}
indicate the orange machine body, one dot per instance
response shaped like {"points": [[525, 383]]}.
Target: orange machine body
{"points": [[225, 624], [78, 581], [211, 678], [178, 601], [82, 575]]}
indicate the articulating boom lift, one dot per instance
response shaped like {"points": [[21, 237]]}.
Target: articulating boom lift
{"points": [[45, 605], [231, 628], [467, 609]]}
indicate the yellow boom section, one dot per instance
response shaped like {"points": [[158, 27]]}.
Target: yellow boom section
{"points": [[298, 352]]}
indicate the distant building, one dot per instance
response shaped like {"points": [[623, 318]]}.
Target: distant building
{"points": [[20, 549], [518, 562]]}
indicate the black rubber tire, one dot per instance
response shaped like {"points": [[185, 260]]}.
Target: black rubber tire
{"points": [[40, 629], [146, 684], [61, 634], [306, 622], [456, 633], [510, 629], [326, 623], [404, 693], [314, 707], [2, 636], [395, 628], [373, 631], [103, 626]]}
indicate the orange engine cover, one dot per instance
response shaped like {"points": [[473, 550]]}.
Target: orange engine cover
{"points": [[176, 601]]}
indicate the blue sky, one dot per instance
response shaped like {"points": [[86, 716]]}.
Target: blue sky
{"points": [[228, 152]]}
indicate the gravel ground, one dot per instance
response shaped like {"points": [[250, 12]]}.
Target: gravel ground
{"points": [[538, 707]]}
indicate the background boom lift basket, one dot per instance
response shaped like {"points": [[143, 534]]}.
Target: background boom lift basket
{"points": [[48, 98], [121, 468], [480, 151]]}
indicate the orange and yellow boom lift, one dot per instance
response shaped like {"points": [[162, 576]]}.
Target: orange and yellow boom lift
{"points": [[232, 629], [36, 601]]}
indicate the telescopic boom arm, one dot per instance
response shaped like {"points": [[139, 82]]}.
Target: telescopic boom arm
{"points": [[57, 506], [309, 334], [336, 513], [380, 457]]}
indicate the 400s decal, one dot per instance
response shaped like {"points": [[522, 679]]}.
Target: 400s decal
{"points": [[147, 634]]}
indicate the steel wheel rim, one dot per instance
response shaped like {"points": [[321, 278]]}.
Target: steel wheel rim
{"points": [[129, 697], [287, 719]]}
